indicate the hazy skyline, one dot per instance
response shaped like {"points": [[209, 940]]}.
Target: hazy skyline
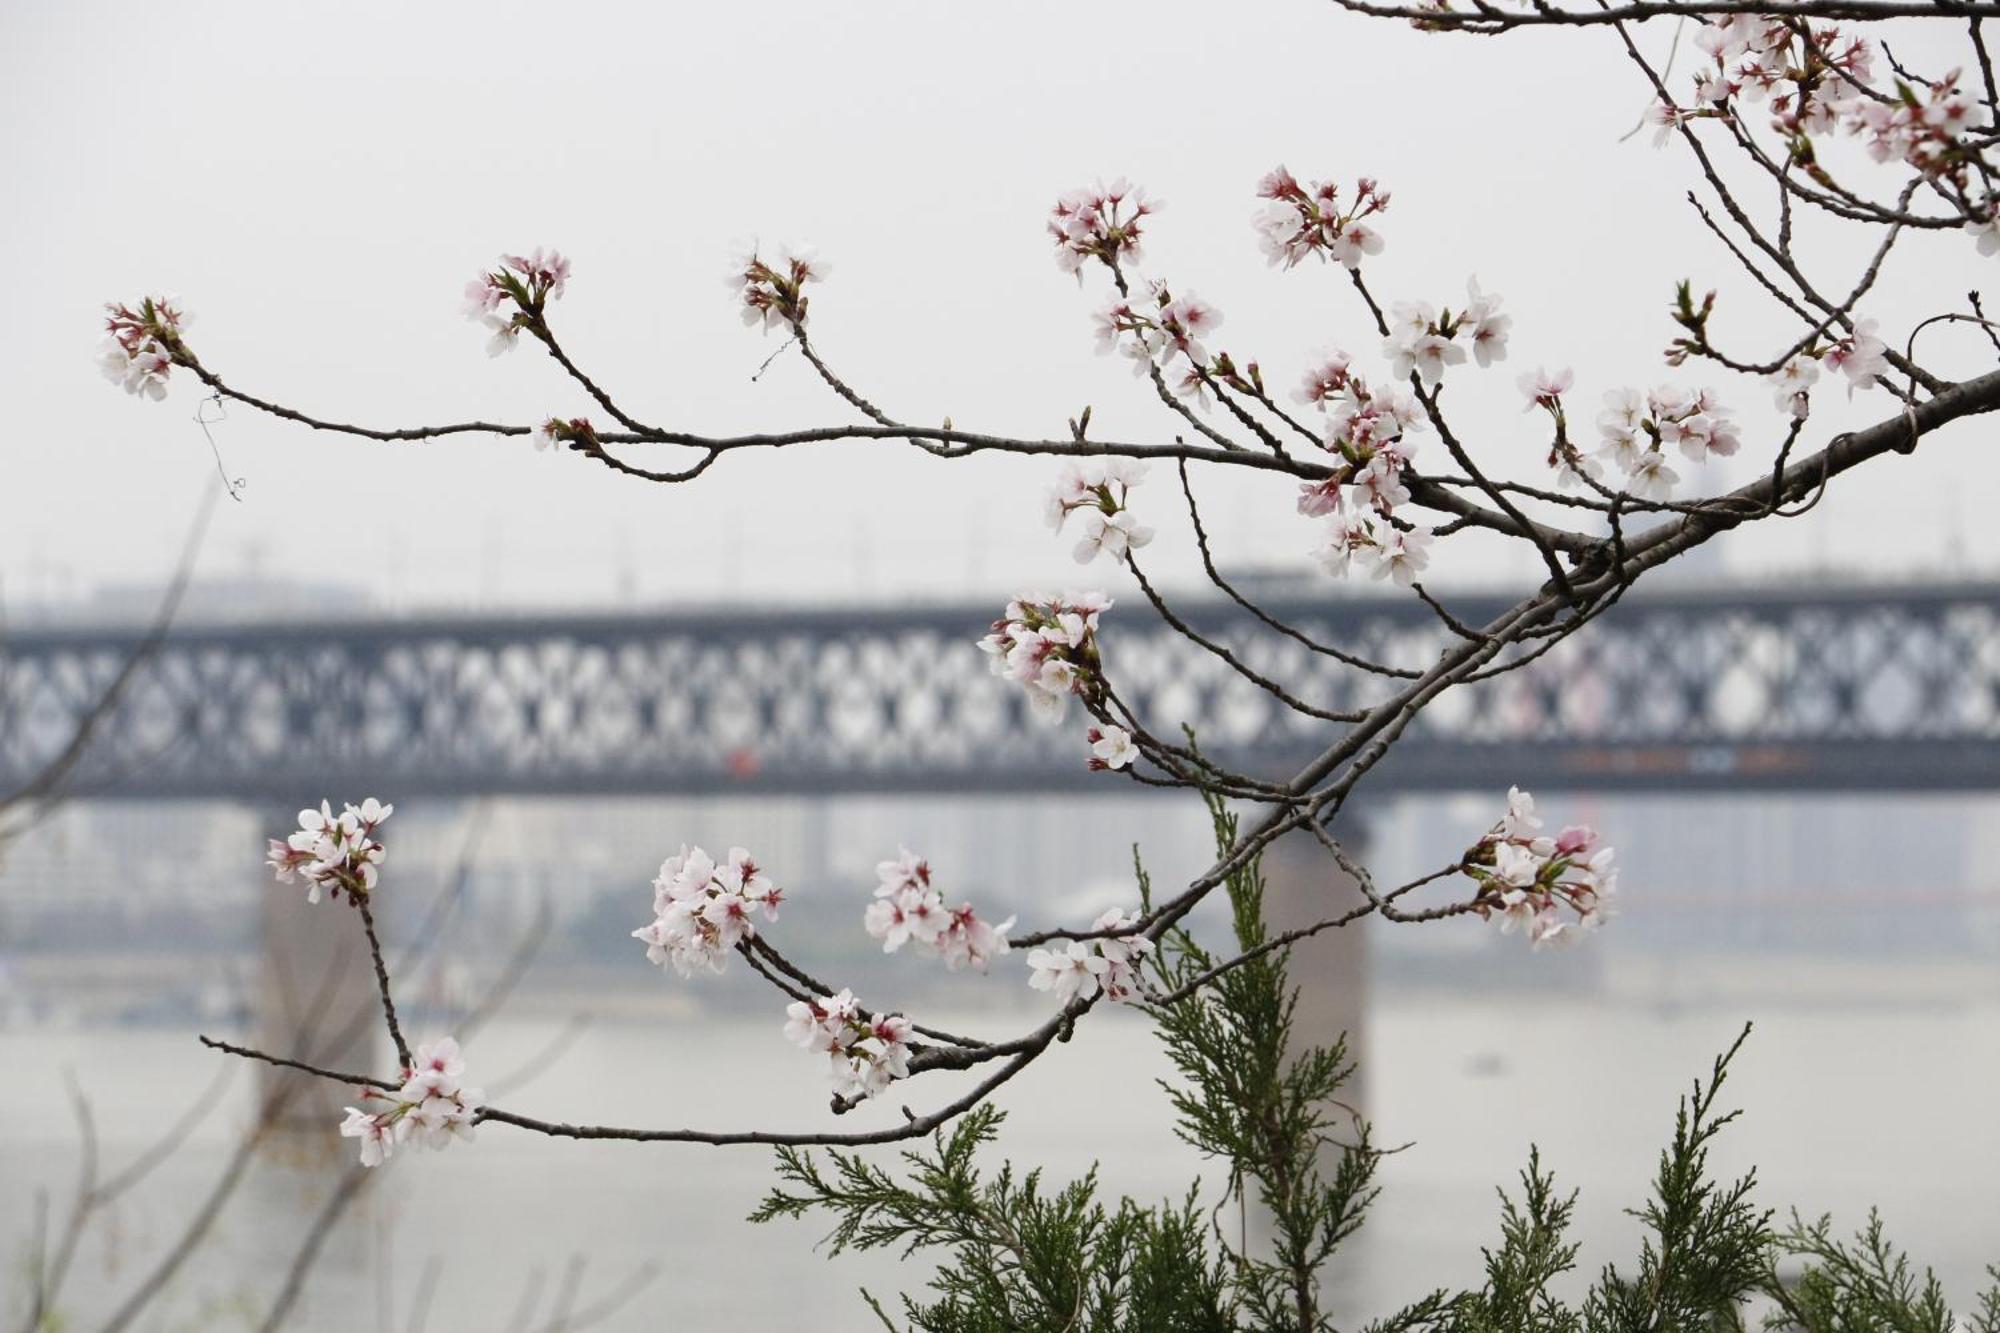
{"points": [[318, 189]]}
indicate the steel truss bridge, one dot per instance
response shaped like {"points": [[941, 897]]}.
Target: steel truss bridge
{"points": [[1860, 688]]}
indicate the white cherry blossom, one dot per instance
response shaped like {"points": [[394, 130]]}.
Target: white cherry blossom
{"points": [[1861, 357], [1111, 747], [1071, 972], [338, 854], [1079, 969], [864, 1053], [1397, 554], [431, 1108]]}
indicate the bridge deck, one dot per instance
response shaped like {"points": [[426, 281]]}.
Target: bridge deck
{"points": [[1858, 687]]}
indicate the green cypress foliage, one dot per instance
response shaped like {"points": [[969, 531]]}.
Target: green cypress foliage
{"points": [[1016, 1253]]}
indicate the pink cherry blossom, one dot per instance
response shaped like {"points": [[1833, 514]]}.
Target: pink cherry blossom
{"points": [[527, 283], [909, 909], [1105, 223], [140, 345], [702, 911], [1553, 888], [1048, 646], [1861, 357], [1079, 969], [1302, 221], [1101, 492]]}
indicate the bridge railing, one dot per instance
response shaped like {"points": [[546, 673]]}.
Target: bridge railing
{"points": [[1854, 687]]}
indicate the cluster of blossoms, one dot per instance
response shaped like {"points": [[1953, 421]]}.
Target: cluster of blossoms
{"points": [[864, 1054], [1105, 223], [1102, 491], [1813, 76], [1528, 879], [1368, 435], [1084, 967], [1817, 80], [1635, 432], [773, 291], [139, 351], [529, 281], [1384, 550], [431, 1107], [1860, 356], [338, 853], [1048, 646], [908, 909], [1301, 221], [1157, 327], [1423, 340], [1367, 432], [1920, 127], [703, 910]]}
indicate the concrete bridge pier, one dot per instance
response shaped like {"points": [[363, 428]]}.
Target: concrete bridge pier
{"points": [[1303, 885]]}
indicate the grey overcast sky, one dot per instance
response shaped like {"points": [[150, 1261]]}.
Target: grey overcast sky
{"points": [[318, 182]]}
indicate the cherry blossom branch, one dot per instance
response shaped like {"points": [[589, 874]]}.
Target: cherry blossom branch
{"points": [[1286, 939], [1435, 412], [914, 1126], [402, 434], [303, 1066], [541, 330], [1486, 19], [761, 952], [841, 387], [1361, 478], [1229, 590], [955, 443], [1778, 254], [1322, 786], [382, 980], [1229, 659]]}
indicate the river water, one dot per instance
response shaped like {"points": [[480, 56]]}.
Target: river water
{"points": [[1847, 1107]]}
